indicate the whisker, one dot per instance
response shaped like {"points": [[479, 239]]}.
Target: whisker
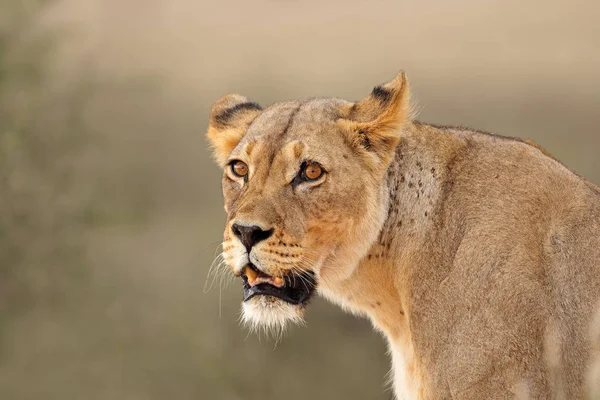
{"points": [[308, 265], [212, 271], [220, 301], [217, 244]]}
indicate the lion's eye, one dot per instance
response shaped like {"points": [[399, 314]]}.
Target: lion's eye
{"points": [[239, 168], [312, 171]]}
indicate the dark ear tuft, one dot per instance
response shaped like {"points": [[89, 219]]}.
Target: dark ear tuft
{"points": [[381, 94], [225, 116]]}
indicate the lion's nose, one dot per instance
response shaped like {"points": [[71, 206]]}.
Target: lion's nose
{"points": [[250, 235]]}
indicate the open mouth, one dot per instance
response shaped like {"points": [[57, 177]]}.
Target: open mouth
{"points": [[294, 289]]}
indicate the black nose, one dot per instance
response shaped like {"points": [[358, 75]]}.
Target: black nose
{"points": [[250, 235]]}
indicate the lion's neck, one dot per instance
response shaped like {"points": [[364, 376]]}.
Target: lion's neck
{"points": [[380, 285], [415, 183]]}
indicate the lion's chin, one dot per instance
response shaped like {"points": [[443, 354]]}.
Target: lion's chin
{"points": [[271, 315]]}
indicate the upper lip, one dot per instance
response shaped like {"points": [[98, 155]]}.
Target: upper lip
{"points": [[292, 289]]}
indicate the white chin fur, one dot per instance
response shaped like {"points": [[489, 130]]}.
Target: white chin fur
{"points": [[270, 315]]}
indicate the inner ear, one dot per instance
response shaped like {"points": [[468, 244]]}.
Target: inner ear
{"points": [[391, 96], [230, 118], [373, 124]]}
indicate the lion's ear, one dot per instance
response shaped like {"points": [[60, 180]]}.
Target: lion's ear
{"points": [[373, 124], [229, 120]]}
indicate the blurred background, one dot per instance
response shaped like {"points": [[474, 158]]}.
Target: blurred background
{"points": [[110, 206]]}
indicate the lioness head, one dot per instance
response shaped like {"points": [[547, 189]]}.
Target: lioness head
{"points": [[304, 191]]}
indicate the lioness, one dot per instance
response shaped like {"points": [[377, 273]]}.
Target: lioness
{"points": [[476, 255]]}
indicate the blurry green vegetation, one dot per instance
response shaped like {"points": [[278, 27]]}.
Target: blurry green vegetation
{"points": [[50, 193], [40, 132]]}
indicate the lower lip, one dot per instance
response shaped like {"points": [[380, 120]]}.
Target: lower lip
{"points": [[291, 295]]}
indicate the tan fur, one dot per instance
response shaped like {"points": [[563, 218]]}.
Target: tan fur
{"points": [[540, 148], [225, 135], [477, 256]]}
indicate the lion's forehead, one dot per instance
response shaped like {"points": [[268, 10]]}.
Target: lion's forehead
{"points": [[290, 118], [307, 126]]}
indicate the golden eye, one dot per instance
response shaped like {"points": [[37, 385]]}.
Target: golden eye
{"points": [[312, 171], [239, 168]]}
